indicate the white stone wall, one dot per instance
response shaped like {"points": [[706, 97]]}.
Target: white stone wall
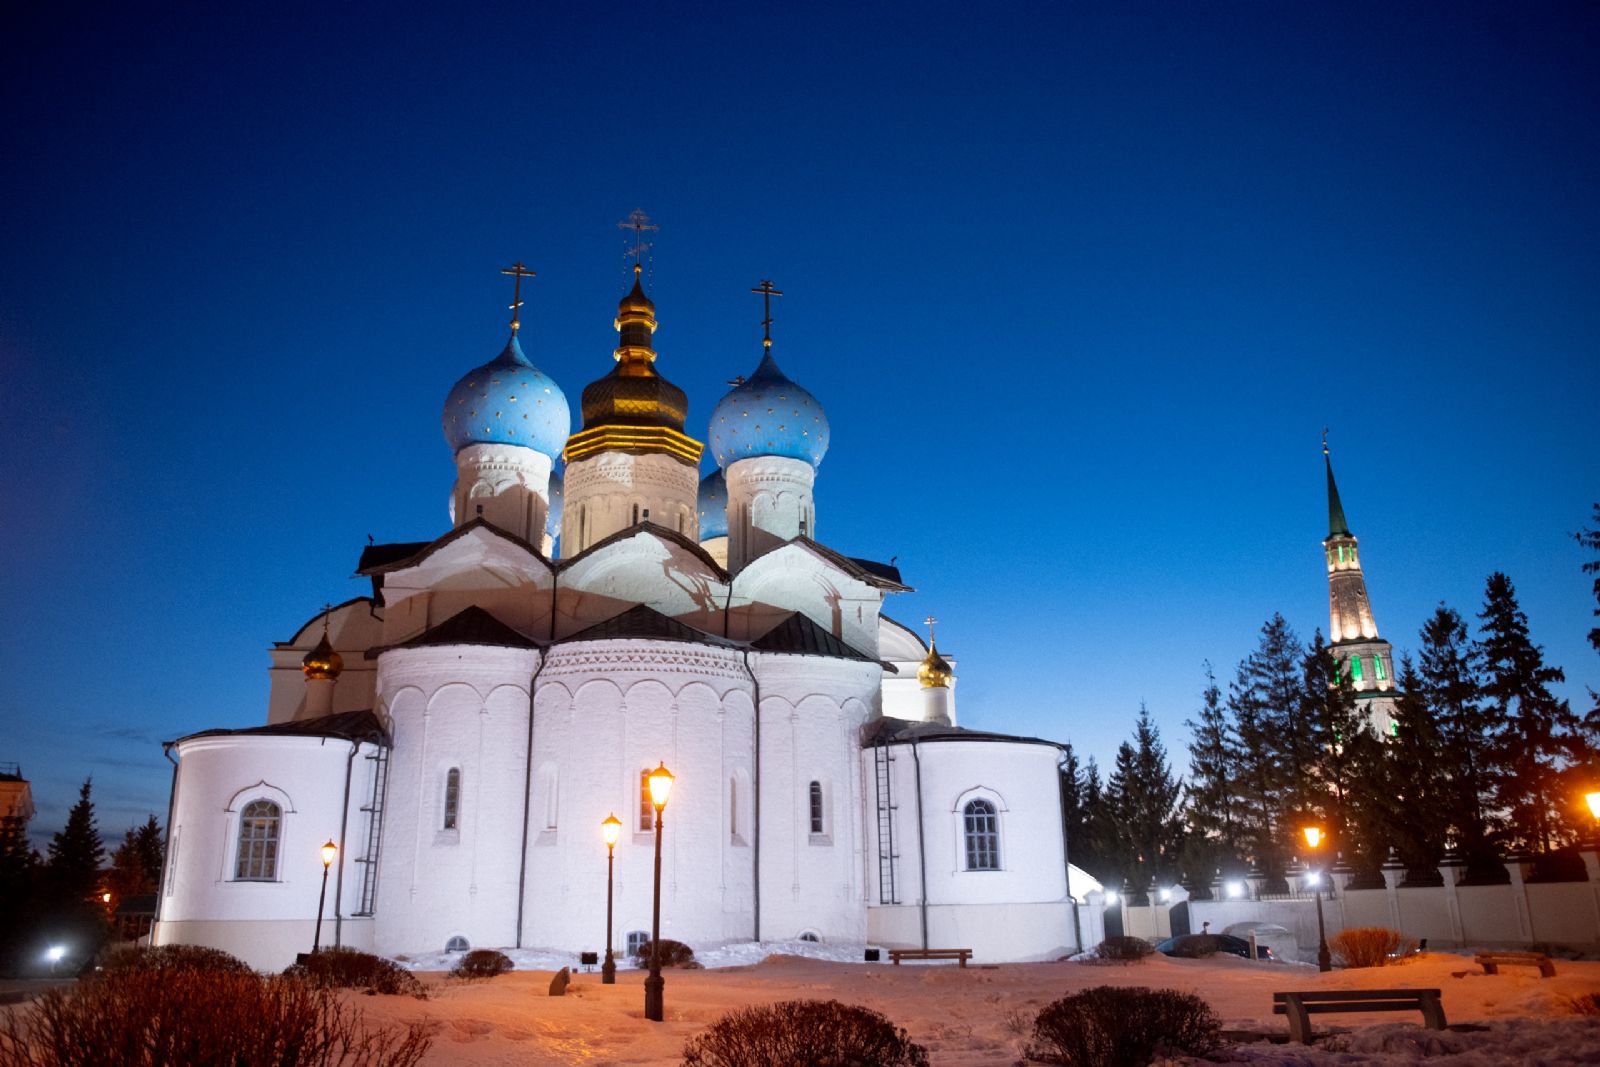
{"points": [[466, 708], [507, 485], [265, 922], [605, 711], [1019, 912], [609, 492], [769, 502]]}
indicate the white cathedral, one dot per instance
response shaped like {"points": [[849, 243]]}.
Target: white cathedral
{"points": [[461, 733]]}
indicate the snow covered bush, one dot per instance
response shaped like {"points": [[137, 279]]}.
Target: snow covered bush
{"points": [[482, 963], [1115, 1026], [345, 968], [1368, 946], [1124, 949], [197, 1016], [673, 954], [803, 1033]]}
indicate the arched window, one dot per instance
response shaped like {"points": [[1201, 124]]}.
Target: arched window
{"points": [[982, 832], [452, 798], [647, 809], [811, 935], [733, 807], [259, 827], [637, 940], [457, 944], [816, 807], [636, 514]]}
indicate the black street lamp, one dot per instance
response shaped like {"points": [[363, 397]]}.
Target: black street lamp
{"points": [[1324, 960], [611, 829], [329, 851], [654, 1006]]}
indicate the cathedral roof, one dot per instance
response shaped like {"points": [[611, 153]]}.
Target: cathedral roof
{"points": [[646, 624], [656, 530], [798, 635], [768, 415], [381, 559], [891, 731], [882, 575], [1337, 526], [470, 626], [349, 725], [507, 401]]}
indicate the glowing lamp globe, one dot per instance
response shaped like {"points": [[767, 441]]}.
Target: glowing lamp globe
{"points": [[660, 786], [611, 829], [1313, 836], [329, 851], [1594, 803]]}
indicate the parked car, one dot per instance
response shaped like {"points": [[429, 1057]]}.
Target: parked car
{"points": [[1195, 946]]}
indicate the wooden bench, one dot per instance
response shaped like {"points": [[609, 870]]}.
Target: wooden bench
{"points": [[1299, 1007], [961, 955], [1492, 960]]}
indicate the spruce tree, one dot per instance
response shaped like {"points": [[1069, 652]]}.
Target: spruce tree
{"points": [[1332, 723], [1539, 739], [136, 863], [1264, 700], [19, 878], [1417, 765], [1214, 839], [1448, 700], [76, 852], [1074, 816], [1589, 537], [1142, 795]]}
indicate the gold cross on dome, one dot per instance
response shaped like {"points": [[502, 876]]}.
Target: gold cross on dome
{"points": [[767, 293], [519, 272], [930, 622], [640, 224]]}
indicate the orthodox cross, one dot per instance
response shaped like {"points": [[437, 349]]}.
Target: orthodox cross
{"points": [[518, 271], [930, 622], [767, 293], [327, 609], [1324, 440], [640, 224]]}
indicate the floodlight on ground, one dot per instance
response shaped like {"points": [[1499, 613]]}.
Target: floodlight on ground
{"points": [[1111, 897], [1235, 890], [1166, 895], [55, 952]]}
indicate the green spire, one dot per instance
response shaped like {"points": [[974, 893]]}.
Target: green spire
{"points": [[1337, 527]]}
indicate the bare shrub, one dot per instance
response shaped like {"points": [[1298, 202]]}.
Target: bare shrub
{"points": [[1124, 949], [673, 954], [803, 1033], [346, 968], [482, 963], [1586, 1003], [188, 1016], [1368, 946], [1114, 1026], [165, 958]]}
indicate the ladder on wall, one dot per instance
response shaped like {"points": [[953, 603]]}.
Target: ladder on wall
{"points": [[883, 774], [374, 810]]}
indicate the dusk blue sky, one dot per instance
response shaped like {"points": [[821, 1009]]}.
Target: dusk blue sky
{"points": [[1079, 287]]}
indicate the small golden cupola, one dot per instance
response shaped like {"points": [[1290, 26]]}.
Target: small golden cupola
{"points": [[322, 663], [935, 671]]}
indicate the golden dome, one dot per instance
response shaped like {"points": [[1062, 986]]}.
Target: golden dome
{"points": [[935, 672], [322, 663]]}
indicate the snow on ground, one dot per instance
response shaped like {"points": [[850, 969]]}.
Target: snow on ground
{"points": [[981, 1015]]}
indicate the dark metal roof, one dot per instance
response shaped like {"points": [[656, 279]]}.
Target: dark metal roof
{"points": [[470, 626], [646, 624], [883, 570], [375, 556], [395, 561], [892, 731], [798, 635], [349, 725], [879, 574]]}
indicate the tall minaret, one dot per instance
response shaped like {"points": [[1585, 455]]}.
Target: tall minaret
{"points": [[1352, 633]]}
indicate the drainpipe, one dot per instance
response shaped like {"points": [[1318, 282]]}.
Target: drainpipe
{"points": [[527, 783], [166, 853], [1066, 860], [344, 822], [755, 822], [922, 850]]}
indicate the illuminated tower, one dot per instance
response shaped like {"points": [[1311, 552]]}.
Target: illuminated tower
{"points": [[631, 462], [1366, 659]]}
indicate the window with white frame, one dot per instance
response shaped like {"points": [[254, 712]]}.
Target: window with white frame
{"points": [[457, 944], [647, 808], [637, 940], [452, 799], [260, 824], [981, 830]]}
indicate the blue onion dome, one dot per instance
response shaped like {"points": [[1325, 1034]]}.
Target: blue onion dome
{"points": [[552, 518], [713, 506], [507, 401], [769, 415]]}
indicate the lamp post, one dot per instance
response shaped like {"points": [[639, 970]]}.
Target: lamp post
{"points": [[1324, 961], [654, 1007], [329, 851], [611, 829]]}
